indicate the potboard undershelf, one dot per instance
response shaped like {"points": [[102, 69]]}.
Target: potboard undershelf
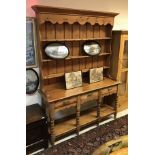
{"points": [[106, 110], [65, 127], [87, 118]]}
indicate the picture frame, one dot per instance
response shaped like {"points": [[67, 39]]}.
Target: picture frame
{"points": [[57, 50], [73, 79], [96, 74], [31, 44], [32, 81], [91, 48]]}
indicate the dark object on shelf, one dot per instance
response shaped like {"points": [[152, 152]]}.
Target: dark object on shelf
{"points": [[92, 48], [57, 50], [32, 81], [36, 129], [91, 140]]}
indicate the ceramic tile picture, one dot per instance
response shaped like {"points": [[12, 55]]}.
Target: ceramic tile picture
{"points": [[73, 79], [96, 74]]}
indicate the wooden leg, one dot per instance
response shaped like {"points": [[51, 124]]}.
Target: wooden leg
{"points": [[115, 106], [98, 107], [78, 115]]}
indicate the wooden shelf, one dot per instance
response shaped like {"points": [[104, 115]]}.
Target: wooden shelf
{"points": [[70, 125], [62, 74], [88, 118], [65, 127], [124, 70], [91, 117], [51, 91], [77, 57], [106, 110], [78, 39]]}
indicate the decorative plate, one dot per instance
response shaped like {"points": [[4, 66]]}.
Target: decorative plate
{"points": [[92, 48], [57, 50], [32, 81]]}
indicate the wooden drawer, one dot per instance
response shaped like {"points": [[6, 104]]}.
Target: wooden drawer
{"points": [[89, 97], [109, 90], [105, 91], [65, 103], [112, 89]]}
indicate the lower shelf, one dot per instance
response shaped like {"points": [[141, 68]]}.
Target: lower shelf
{"points": [[65, 127], [106, 110], [90, 117]]}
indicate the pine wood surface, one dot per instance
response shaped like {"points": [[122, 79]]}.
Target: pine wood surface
{"points": [[64, 127], [58, 92], [70, 125], [118, 71], [73, 28]]}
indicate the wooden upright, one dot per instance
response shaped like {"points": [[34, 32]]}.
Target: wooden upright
{"points": [[73, 28], [119, 66]]}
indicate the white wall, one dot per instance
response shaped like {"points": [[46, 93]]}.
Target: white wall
{"points": [[118, 6]]}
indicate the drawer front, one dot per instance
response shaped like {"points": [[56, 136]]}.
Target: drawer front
{"points": [[65, 103], [112, 89], [105, 91], [108, 91], [89, 97]]}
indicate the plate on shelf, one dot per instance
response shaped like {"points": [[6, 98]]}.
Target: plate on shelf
{"points": [[32, 81], [56, 50], [92, 48]]}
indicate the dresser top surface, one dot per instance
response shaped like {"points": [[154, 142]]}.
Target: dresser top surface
{"points": [[34, 113], [55, 93]]}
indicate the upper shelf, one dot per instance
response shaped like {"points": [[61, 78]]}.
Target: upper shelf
{"points": [[77, 57], [62, 74], [124, 69], [81, 39]]}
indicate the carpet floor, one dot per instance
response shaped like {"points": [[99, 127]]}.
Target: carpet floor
{"points": [[87, 142]]}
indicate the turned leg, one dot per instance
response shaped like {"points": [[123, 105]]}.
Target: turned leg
{"points": [[99, 108], [78, 115], [115, 105]]}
